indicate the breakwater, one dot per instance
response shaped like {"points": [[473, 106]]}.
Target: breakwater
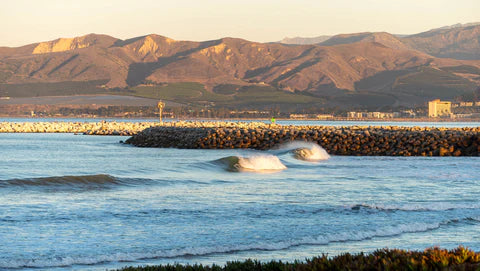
{"points": [[352, 140], [90, 128], [107, 127], [348, 140]]}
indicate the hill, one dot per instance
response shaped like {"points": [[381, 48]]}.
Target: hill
{"points": [[384, 38], [462, 42], [459, 41], [304, 41], [355, 70]]}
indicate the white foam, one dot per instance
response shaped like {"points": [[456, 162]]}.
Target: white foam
{"points": [[199, 251], [307, 151], [260, 163], [427, 206]]}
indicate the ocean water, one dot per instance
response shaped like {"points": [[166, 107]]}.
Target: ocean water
{"points": [[74, 202]]}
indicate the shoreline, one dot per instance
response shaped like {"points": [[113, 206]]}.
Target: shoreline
{"points": [[382, 259], [337, 140], [336, 119]]}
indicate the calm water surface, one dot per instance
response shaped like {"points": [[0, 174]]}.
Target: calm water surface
{"points": [[74, 202]]}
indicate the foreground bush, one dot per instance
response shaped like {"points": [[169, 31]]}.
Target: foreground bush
{"points": [[384, 259]]}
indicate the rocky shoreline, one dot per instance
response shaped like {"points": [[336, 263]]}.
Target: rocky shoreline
{"points": [[105, 127], [351, 140], [346, 140], [90, 128]]}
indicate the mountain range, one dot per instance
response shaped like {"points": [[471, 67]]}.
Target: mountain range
{"points": [[371, 69]]}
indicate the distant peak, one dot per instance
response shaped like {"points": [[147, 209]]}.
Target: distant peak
{"points": [[148, 46], [60, 45], [147, 40], [304, 40], [160, 37], [68, 44], [458, 25], [234, 40]]}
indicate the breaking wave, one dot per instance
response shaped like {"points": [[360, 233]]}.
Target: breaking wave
{"points": [[255, 163], [81, 182], [306, 151], [428, 206], [326, 239]]}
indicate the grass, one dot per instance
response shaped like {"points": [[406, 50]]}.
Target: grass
{"points": [[174, 92], [463, 69], [52, 89], [429, 82], [226, 89], [228, 95], [267, 94], [185, 92], [384, 259], [189, 93]]}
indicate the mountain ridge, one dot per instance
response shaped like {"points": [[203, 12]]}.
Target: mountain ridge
{"points": [[372, 64]]}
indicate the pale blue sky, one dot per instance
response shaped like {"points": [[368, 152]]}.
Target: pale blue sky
{"points": [[29, 21]]}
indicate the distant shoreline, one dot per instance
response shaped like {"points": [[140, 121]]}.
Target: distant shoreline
{"points": [[155, 119]]}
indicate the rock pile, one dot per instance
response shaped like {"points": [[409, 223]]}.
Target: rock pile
{"points": [[349, 140], [90, 128], [110, 128], [353, 140]]}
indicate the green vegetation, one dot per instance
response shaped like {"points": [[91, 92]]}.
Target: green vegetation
{"points": [[52, 89], [226, 89], [430, 82], [384, 259], [267, 94], [185, 93], [463, 69], [191, 93], [173, 92]]}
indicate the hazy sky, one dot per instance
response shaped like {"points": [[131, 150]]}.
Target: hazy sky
{"points": [[29, 21]]}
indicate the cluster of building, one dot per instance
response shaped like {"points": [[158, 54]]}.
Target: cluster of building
{"points": [[443, 109], [373, 115], [381, 115], [312, 116], [436, 109]]}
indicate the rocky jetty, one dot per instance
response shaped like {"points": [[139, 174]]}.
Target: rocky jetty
{"points": [[351, 140], [109, 127], [347, 140], [89, 128]]}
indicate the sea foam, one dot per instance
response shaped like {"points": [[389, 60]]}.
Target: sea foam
{"points": [[306, 151], [323, 239], [420, 207], [255, 163]]}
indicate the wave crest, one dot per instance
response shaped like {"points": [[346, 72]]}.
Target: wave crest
{"points": [[68, 182], [306, 151], [432, 206], [256, 163], [203, 251]]}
